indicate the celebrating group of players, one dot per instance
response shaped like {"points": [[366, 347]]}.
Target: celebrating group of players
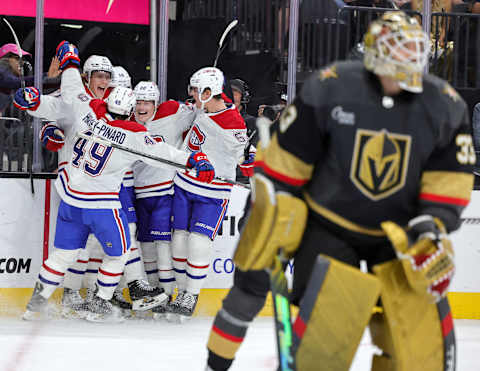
{"points": [[112, 197]]}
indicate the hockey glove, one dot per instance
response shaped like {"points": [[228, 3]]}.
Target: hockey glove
{"points": [[247, 166], [67, 54], [52, 137], [28, 98], [426, 254], [199, 162]]}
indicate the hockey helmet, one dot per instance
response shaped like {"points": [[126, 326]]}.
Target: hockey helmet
{"points": [[207, 78], [121, 101], [396, 46], [243, 88], [120, 77], [97, 63], [148, 91]]}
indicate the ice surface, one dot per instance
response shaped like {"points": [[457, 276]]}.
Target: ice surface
{"points": [[144, 344]]}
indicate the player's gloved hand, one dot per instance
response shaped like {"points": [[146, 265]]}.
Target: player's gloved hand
{"points": [[28, 98], [67, 54], [426, 254], [246, 167], [52, 137], [199, 162]]}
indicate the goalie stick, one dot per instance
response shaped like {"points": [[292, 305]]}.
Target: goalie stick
{"points": [[220, 49], [283, 319], [147, 155]]}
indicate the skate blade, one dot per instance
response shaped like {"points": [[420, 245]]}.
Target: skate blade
{"points": [[159, 316], [101, 318], [34, 316], [149, 303]]}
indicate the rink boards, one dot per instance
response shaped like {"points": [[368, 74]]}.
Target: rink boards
{"points": [[27, 230]]}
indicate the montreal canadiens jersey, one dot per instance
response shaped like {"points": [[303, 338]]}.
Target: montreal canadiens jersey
{"points": [[222, 136], [359, 158], [94, 174], [170, 122]]}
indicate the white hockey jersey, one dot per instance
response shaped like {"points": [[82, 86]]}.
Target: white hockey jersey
{"points": [[171, 120], [93, 176], [222, 136]]}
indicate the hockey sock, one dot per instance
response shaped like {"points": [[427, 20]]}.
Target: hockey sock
{"points": [[179, 257], [109, 275], [75, 273], [149, 253], [165, 266], [95, 258], [198, 261], [53, 269], [134, 269]]}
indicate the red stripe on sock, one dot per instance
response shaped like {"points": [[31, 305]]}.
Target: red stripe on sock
{"points": [[95, 260], [53, 271], [235, 339], [180, 260], [100, 270], [198, 266]]}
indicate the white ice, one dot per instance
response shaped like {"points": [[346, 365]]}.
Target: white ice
{"points": [[147, 345]]}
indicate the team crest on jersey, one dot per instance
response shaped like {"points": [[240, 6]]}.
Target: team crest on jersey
{"points": [[197, 138], [158, 138], [380, 162], [149, 140]]}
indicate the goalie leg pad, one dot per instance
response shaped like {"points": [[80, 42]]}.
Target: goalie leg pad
{"points": [[334, 312], [409, 330], [276, 220]]}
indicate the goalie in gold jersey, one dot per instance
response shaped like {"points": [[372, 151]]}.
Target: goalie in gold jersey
{"points": [[372, 161]]}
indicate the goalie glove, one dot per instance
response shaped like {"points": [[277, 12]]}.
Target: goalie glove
{"points": [[52, 137], [426, 254], [204, 169], [67, 54]]}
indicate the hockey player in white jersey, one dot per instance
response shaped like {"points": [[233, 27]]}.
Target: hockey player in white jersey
{"points": [[199, 209], [120, 77], [166, 122], [89, 186]]}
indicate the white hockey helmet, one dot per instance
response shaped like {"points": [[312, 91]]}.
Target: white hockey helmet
{"points": [[120, 77], [97, 63], [148, 91], [207, 78], [121, 101]]}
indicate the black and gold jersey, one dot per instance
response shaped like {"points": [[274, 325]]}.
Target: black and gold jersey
{"points": [[361, 158]]}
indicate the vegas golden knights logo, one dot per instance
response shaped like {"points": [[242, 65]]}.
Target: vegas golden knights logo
{"points": [[380, 162]]}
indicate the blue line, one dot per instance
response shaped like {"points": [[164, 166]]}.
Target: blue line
{"points": [[106, 284], [152, 271], [92, 271], [180, 270], [167, 279], [85, 199], [133, 261]]}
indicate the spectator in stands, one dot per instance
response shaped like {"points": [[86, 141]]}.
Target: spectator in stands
{"points": [[10, 73]]}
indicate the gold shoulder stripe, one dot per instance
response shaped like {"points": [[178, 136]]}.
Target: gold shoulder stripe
{"points": [[284, 164], [341, 221], [450, 184]]}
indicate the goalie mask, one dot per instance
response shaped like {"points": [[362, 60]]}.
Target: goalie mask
{"points": [[120, 77], [121, 101], [207, 78], [396, 46]]}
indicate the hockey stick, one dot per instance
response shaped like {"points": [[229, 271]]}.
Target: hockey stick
{"points": [[147, 155], [283, 319], [222, 39]]}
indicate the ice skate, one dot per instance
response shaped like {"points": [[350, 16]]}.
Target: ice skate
{"points": [[144, 296], [101, 310], [73, 305], [187, 306], [119, 301], [37, 306], [160, 312]]}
